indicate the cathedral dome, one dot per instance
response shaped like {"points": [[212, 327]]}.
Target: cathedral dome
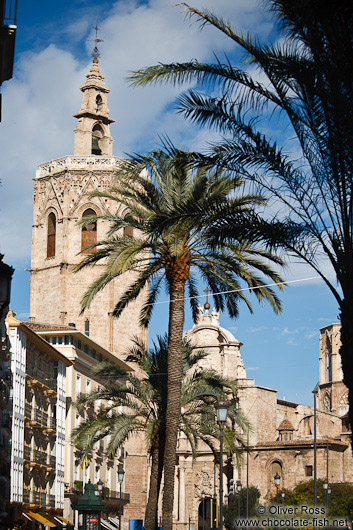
{"points": [[285, 425]]}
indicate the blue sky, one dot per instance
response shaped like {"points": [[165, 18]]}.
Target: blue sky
{"points": [[53, 47]]}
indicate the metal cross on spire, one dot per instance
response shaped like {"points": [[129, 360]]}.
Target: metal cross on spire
{"points": [[207, 305], [95, 54]]}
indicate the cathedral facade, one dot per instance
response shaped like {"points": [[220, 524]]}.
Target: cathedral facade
{"points": [[281, 440]]}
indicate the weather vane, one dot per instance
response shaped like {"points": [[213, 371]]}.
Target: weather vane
{"points": [[95, 54], [207, 305]]}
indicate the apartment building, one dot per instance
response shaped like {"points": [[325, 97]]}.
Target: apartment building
{"points": [[83, 353], [37, 409]]}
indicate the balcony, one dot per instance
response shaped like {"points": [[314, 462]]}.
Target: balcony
{"points": [[52, 462], [27, 453], [28, 411], [39, 457], [112, 498], [26, 496], [43, 499]]}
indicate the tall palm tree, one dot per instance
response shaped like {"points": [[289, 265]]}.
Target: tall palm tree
{"points": [[138, 404], [155, 188], [307, 81]]}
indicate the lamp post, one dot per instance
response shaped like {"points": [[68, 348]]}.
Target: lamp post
{"points": [[121, 474], [222, 412], [325, 486], [239, 486], [315, 391], [277, 479], [203, 510], [100, 488], [6, 273], [283, 495]]}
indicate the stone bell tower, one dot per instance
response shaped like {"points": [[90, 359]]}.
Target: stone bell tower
{"points": [[61, 199], [92, 134]]}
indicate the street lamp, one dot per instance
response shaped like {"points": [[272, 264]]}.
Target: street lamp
{"points": [[277, 479], [283, 495], [239, 486], [325, 486], [6, 273], [222, 412], [203, 509], [121, 474], [100, 487]]}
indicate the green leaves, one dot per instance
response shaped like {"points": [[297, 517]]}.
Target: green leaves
{"points": [[174, 207]]}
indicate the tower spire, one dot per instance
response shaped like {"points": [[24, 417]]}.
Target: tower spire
{"points": [[92, 134]]}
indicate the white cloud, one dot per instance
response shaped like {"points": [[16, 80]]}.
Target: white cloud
{"points": [[256, 329], [39, 101]]}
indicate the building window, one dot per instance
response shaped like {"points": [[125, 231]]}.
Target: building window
{"points": [[99, 103], [308, 471], [327, 402], [97, 134], [51, 235], [89, 232], [343, 405], [87, 327]]}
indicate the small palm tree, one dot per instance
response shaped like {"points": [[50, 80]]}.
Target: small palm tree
{"points": [[156, 189], [143, 404]]}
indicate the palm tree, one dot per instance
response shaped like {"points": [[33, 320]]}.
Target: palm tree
{"points": [[155, 188], [308, 82], [139, 405]]}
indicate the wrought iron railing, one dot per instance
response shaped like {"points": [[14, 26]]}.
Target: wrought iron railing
{"points": [[52, 423], [52, 501], [52, 461], [28, 410], [26, 496], [115, 495], [27, 452], [43, 499]]}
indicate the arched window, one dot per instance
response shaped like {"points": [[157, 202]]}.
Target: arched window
{"points": [[99, 103], [343, 405], [51, 235], [97, 134], [89, 232], [327, 402]]}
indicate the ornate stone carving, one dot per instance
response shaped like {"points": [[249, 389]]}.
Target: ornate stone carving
{"points": [[204, 482], [77, 162]]}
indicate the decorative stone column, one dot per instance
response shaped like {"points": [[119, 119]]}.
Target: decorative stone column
{"points": [[182, 493]]}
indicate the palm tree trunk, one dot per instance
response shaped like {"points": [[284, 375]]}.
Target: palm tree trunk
{"points": [[151, 513], [153, 494], [346, 347], [175, 367]]}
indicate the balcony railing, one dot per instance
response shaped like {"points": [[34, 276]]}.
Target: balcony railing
{"points": [[52, 461], [27, 452], [46, 378], [52, 423], [28, 410], [52, 501], [43, 499], [26, 496], [115, 495], [39, 457]]}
